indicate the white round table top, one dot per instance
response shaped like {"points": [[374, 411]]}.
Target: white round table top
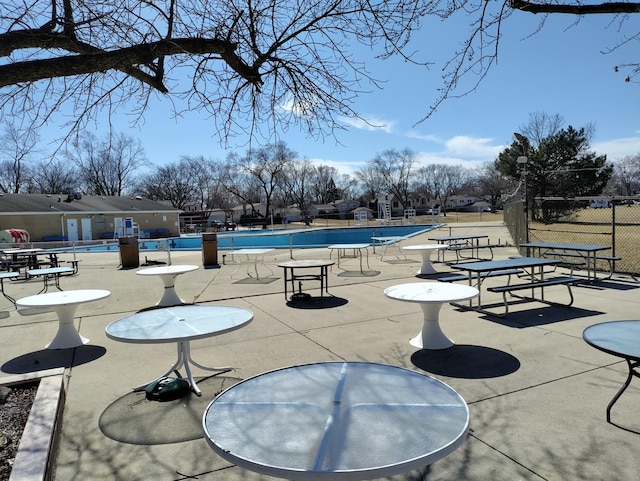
{"points": [[178, 323], [424, 247], [163, 270], [431, 292], [336, 421], [63, 298], [256, 251], [306, 263]]}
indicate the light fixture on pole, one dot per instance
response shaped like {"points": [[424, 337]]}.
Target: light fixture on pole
{"points": [[522, 163]]}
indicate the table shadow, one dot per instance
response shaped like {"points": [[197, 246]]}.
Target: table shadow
{"points": [[253, 280], [358, 274], [53, 358], [538, 316], [466, 361], [153, 308], [401, 261], [133, 419], [312, 302], [34, 311], [616, 284]]}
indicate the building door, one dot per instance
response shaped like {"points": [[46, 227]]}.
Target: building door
{"points": [[72, 230], [86, 229], [118, 227]]}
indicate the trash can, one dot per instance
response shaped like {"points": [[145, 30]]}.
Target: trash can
{"points": [[129, 253], [210, 249]]}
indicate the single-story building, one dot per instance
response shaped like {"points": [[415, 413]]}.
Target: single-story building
{"points": [[74, 216]]}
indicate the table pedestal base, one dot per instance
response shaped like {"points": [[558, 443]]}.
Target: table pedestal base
{"points": [[427, 267], [170, 297], [184, 358], [67, 336], [431, 336]]}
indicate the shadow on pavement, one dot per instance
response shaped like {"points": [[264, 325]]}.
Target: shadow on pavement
{"points": [[53, 358], [132, 419], [466, 361], [538, 316], [311, 302], [358, 274]]}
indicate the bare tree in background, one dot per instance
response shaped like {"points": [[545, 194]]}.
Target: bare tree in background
{"points": [[107, 166], [205, 175], [240, 183], [297, 185], [255, 63], [17, 149], [371, 183], [174, 183], [492, 182], [266, 166], [53, 177], [626, 176], [323, 187], [441, 181], [396, 168]]}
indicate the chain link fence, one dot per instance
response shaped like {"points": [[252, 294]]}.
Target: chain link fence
{"points": [[610, 221]]}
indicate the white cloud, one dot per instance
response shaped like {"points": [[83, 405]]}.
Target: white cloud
{"points": [[370, 124], [472, 147], [616, 149], [429, 158], [343, 166], [427, 137]]}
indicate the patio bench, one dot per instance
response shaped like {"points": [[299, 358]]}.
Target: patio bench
{"points": [[608, 258], [483, 275], [555, 281], [459, 247], [74, 265]]}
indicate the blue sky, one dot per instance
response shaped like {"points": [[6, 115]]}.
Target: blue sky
{"points": [[559, 70]]}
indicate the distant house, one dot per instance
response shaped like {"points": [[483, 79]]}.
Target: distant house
{"points": [[323, 210], [258, 209], [345, 206], [74, 216], [462, 203]]}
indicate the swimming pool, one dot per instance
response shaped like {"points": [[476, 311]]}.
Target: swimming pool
{"points": [[276, 239]]}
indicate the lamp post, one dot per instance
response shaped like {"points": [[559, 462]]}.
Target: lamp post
{"points": [[522, 163]]}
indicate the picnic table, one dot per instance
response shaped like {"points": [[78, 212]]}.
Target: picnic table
{"points": [[464, 242], [534, 266], [587, 252]]}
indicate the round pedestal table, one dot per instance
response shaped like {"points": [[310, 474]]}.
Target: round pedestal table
{"points": [[431, 296], [426, 250], [168, 275], [65, 304]]}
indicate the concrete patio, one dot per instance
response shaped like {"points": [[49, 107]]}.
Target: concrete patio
{"points": [[537, 393]]}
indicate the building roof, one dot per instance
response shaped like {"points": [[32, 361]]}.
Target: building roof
{"points": [[21, 204]]}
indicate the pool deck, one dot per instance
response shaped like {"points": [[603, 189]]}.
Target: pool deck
{"points": [[537, 393]]}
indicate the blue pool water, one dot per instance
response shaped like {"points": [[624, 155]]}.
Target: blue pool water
{"points": [[278, 239]]}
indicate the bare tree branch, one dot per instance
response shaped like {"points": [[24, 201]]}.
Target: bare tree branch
{"points": [[123, 59], [576, 8], [256, 66]]}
